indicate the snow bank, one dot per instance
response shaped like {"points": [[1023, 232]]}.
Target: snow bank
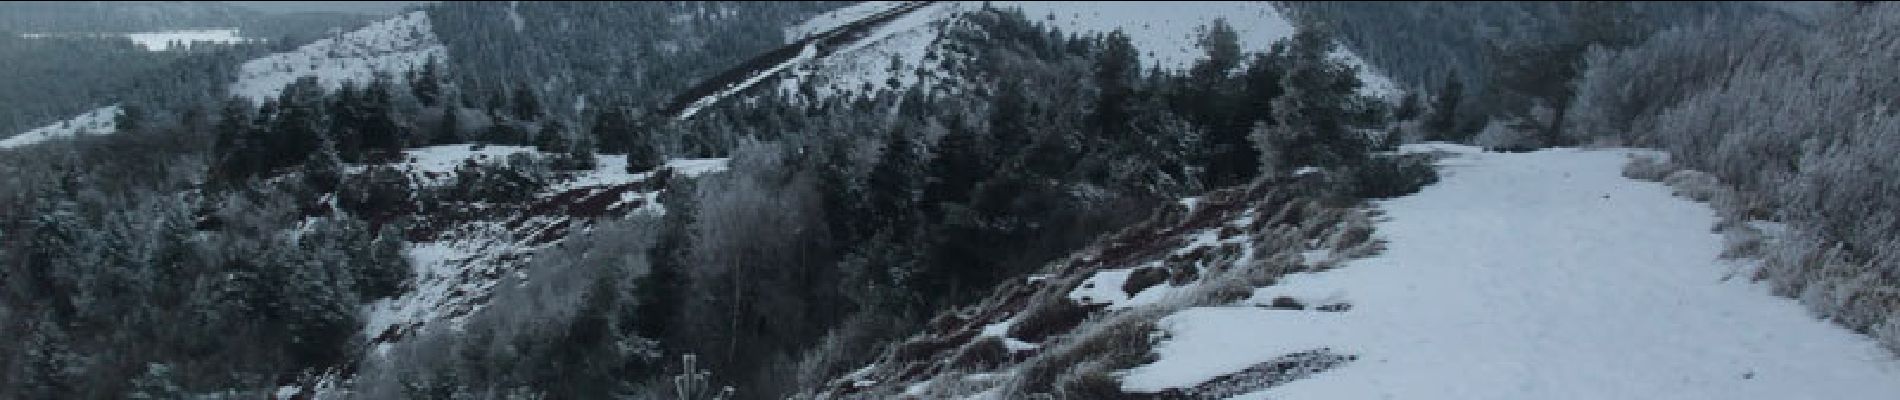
{"points": [[391, 47], [1542, 275], [837, 18], [100, 121], [1168, 33], [866, 62], [172, 40], [456, 270]]}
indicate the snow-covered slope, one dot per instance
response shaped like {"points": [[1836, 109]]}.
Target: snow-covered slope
{"points": [[1166, 32], [1544, 275], [836, 18], [1206, 249], [100, 121], [172, 40], [459, 261], [1541, 275], [391, 47]]}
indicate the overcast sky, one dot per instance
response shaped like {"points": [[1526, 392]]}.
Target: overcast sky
{"points": [[372, 7]]}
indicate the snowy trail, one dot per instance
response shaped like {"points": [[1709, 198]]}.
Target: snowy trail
{"points": [[1541, 275]]}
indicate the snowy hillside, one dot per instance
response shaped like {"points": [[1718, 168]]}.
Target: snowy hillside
{"points": [[1166, 33], [101, 121], [461, 261], [391, 47], [836, 18], [1544, 275], [172, 40]]}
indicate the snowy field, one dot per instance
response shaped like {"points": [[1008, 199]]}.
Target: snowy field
{"points": [[443, 266], [100, 121], [391, 47], [1166, 34], [171, 40], [1542, 275], [163, 40]]}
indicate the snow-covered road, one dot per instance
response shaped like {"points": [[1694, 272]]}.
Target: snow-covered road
{"points": [[1542, 275]]}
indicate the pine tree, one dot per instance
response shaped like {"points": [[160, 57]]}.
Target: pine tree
{"points": [[1442, 123], [387, 269], [1115, 71], [526, 107], [954, 169], [892, 186], [131, 119], [298, 127], [427, 85], [612, 130], [1316, 115], [643, 156], [1408, 108], [324, 171], [449, 129], [382, 133], [1009, 117], [552, 138], [229, 148]]}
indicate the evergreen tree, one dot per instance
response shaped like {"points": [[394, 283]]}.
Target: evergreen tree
{"points": [[449, 129], [324, 171], [581, 154], [131, 119], [643, 156], [1442, 123], [427, 85], [229, 147], [526, 107], [386, 269], [1115, 71], [347, 121], [297, 128], [1317, 115], [613, 130], [1408, 108], [382, 133], [1009, 117], [552, 138], [892, 186], [955, 168]]}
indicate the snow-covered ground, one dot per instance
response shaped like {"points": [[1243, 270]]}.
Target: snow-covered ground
{"points": [[162, 40], [1166, 33], [836, 18], [393, 47], [169, 40], [450, 270], [1543, 275], [100, 121], [867, 61]]}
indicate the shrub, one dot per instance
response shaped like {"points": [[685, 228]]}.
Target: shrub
{"points": [[1389, 176]]}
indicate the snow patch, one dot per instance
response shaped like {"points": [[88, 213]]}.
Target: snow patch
{"points": [[837, 18], [163, 40], [1168, 33], [1543, 275], [514, 16], [100, 121], [175, 40], [390, 47]]}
